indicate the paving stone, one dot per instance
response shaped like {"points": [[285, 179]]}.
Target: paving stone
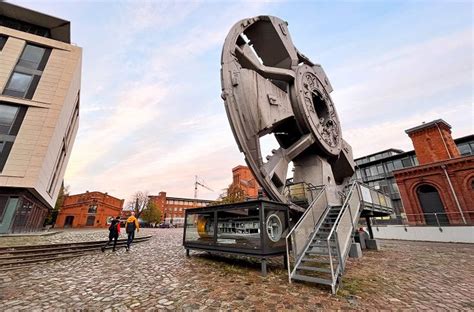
{"points": [[156, 275]]}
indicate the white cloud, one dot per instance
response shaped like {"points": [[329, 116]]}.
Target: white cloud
{"points": [[368, 139], [148, 126], [405, 79], [387, 94], [141, 140], [135, 108]]}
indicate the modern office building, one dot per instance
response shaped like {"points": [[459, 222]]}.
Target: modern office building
{"points": [[377, 169], [40, 80], [90, 209]]}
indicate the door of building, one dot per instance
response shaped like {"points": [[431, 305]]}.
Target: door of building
{"points": [[431, 204], [68, 221], [8, 208], [90, 221]]}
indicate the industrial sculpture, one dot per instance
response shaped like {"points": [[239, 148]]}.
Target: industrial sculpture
{"points": [[269, 87]]}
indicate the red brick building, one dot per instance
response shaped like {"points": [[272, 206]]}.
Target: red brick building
{"points": [[173, 208], [90, 209], [243, 182], [440, 190]]}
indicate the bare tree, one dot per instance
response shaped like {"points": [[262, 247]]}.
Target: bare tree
{"points": [[139, 202]]}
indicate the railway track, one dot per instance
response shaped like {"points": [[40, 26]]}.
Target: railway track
{"points": [[25, 256]]}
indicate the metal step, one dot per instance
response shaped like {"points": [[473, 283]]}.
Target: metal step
{"points": [[326, 226], [314, 269], [322, 244], [325, 247], [310, 279], [315, 260], [322, 252]]}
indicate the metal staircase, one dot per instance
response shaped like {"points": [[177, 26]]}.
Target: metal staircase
{"points": [[321, 240], [315, 263]]}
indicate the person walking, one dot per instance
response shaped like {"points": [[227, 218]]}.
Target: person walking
{"points": [[130, 226], [114, 232]]}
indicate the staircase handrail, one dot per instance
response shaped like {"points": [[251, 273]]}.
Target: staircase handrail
{"points": [[387, 208], [344, 206], [305, 214], [306, 211], [335, 271]]}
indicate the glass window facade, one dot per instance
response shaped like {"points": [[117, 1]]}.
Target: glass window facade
{"points": [[11, 117], [58, 168], [19, 83], [92, 209], [3, 40], [31, 57], [7, 117], [3, 206], [465, 149], [406, 162], [397, 164], [27, 72], [24, 26], [256, 227]]}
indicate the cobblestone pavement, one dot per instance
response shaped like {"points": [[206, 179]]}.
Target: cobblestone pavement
{"points": [[157, 275], [65, 236]]}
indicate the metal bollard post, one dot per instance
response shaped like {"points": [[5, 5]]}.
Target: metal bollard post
{"points": [[437, 221]]}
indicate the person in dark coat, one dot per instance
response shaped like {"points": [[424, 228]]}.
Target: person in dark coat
{"points": [[114, 232]]}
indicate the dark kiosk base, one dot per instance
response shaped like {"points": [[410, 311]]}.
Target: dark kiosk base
{"points": [[253, 229]]}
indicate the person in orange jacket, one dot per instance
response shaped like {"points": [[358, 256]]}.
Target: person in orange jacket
{"points": [[130, 226]]}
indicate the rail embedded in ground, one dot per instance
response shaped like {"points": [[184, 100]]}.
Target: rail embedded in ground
{"points": [[20, 256]]}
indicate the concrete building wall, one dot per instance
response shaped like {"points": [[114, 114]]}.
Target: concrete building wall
{"points": [[40, 149], [451, 234], [33, 157]]}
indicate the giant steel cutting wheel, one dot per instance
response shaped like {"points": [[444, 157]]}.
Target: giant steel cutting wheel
{"points": [[269, 87]]}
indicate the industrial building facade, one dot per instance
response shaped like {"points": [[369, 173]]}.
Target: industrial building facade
{"points": [[40, 79], [173, 208], [377, 170], [440, 190], [90, 209], [244, 185]]}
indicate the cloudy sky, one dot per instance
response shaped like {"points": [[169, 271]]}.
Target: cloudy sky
{"points": [[151, 113]]}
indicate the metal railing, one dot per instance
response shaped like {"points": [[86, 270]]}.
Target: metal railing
{"points": [[439, 219], [342, 230], [302, 193], [375, 199], [304, 230], [358, 197]]}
